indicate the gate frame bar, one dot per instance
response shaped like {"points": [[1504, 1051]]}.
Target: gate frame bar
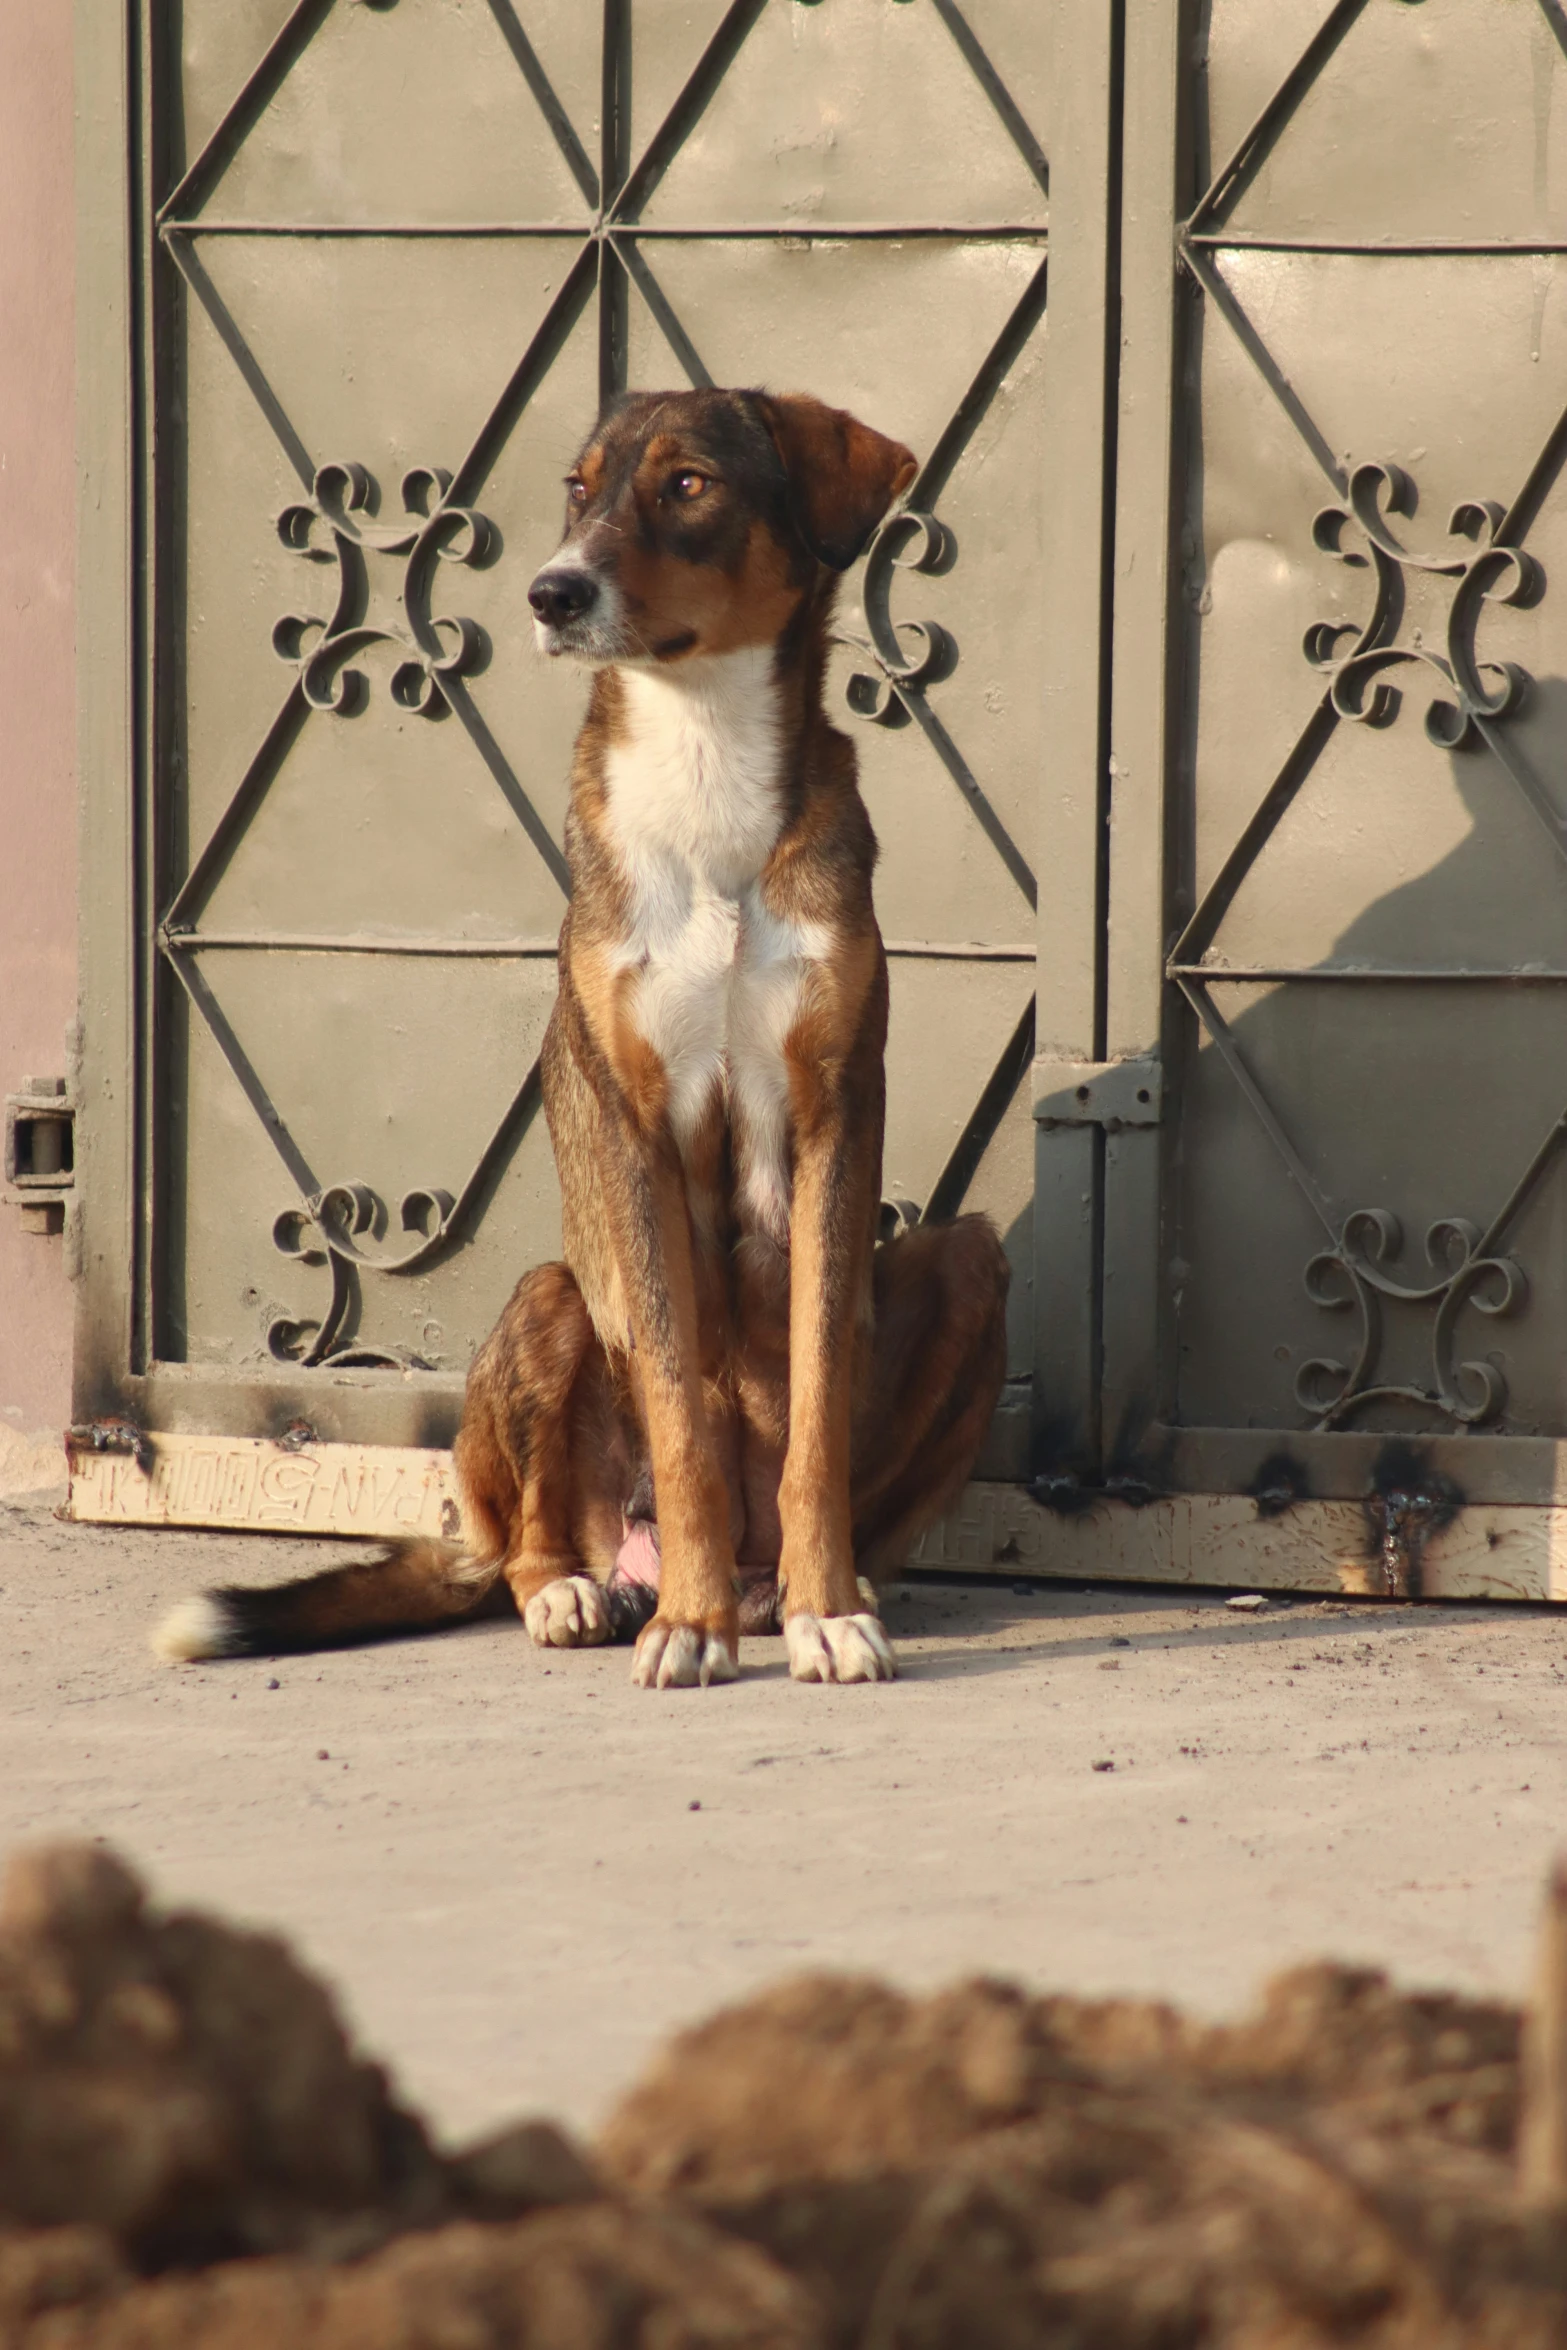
{"points": [[1082, 331]]}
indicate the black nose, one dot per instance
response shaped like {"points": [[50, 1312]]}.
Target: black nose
{"points": [[558, 596]]}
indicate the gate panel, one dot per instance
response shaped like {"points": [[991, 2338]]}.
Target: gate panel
{"points": [[392, 254], [371, 879], [1361, 1217]]}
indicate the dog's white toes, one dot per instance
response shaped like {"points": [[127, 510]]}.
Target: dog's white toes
{"points": [[680, 1663], [839, 1648], [571, 1612], [681, 1656]]}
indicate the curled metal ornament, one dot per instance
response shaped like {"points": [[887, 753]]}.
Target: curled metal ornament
{"points": [[337, 525], [906, 653], [1491, 572], [334, 1228], [1355, 1277]]}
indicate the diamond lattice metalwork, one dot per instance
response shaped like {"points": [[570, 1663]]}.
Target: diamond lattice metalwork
{"points": [[334, 1221], [1488, 563]]}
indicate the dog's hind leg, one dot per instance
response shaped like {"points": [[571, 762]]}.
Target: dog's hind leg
{"points": [[938, 1362], [537, 1461], [523, 1520]]}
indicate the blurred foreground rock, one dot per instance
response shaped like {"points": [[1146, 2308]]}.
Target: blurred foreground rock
{"points": [[192, 2157]]}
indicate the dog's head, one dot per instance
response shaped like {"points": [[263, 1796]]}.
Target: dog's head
{"points": [[698, 522]]}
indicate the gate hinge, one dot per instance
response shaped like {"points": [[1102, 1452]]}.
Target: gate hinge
{"points": [[1111, 1094], [40, 1152]]}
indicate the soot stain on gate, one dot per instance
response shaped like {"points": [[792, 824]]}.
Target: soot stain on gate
{"points": [[1408, 1502], [1279, 1484], [1071, 1487]]}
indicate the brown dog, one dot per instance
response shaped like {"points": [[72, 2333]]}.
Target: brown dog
{"points": [[728, 1393]]}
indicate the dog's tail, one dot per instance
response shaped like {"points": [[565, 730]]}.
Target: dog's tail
{"points": [[409, 1587]]}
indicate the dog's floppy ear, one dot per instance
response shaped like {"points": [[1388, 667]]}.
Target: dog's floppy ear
{"points": [[842, 475]]}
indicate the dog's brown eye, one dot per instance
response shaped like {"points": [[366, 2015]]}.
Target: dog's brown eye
{"points": [[577, 492], [687, 486]]}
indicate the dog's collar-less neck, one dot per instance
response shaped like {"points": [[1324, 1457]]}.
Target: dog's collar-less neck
{"points": [[695, 764], [721, 682]]}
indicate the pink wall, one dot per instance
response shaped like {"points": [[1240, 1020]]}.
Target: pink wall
{"points": [[37, 660]]}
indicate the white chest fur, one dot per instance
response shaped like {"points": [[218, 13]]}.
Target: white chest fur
{"points": [[695, 809]]}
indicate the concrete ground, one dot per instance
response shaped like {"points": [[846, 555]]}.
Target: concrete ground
{"points": [[521, 1872]]}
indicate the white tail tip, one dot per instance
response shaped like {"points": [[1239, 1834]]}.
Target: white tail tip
{"points": [[196, 1628]]}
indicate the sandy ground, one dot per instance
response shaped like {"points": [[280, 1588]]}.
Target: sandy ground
{"points": [[522, 1872]]}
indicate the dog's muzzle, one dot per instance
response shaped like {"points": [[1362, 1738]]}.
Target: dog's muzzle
{"points": [[563, 594]]}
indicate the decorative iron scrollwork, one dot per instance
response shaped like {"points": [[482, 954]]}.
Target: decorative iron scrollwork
{"points": [[1468, 1268], [1489, 573], [339, 1224], [906, 652], [909, 655], [342, 505], [1354, 1276], [332, 1228]]}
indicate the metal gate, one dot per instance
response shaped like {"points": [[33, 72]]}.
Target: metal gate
{"points": [[382, 261], [1208, 698], [1334, 1276]]}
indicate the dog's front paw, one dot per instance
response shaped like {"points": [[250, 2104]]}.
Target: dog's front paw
{"points": [[571, 1612], [839, 1648], [683, 1656]]}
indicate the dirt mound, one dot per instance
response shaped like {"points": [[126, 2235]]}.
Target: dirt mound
{"points": [[180, 2085], [192, 2157], [986, 2168], [175, 2095], [599, 2277], [884, 2082]]}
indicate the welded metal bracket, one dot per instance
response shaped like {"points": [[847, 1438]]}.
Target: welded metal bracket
{"points": [[1111, 1094], [40, 1152]]}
